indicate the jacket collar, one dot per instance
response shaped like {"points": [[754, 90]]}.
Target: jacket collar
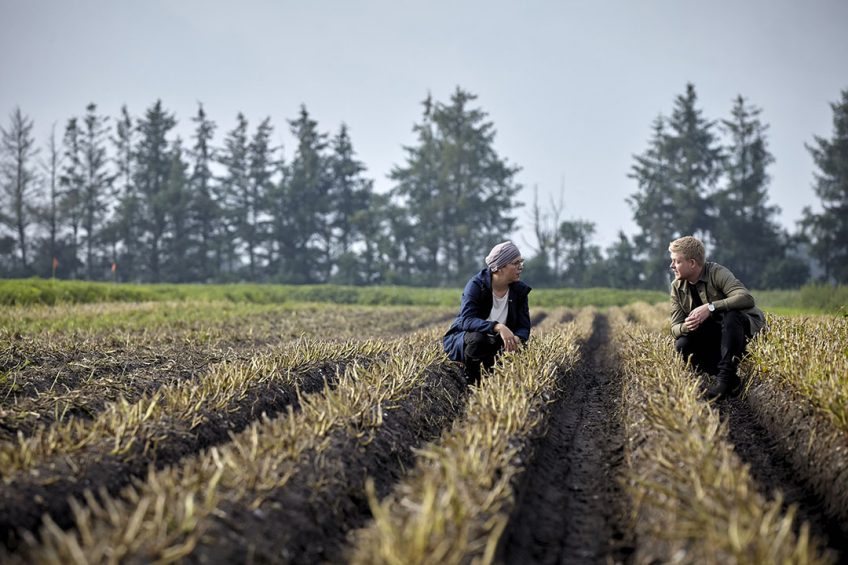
{"points": [[485, 278], [705, 272]]}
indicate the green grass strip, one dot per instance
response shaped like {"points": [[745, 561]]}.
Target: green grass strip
{"points": [[50, 292]]}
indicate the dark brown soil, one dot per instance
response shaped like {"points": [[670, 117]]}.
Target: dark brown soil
{"points": [[26, 497], [32, 368], [773, 473], [571, 507], [58, 388], [306, 523]]}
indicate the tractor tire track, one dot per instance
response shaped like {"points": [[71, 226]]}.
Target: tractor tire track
{"points": [[571, 505], [771, 468]]}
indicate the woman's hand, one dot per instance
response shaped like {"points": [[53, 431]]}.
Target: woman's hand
{"points": [[510, 340]]}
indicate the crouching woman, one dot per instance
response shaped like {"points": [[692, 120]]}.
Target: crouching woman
{"points": [[494, 315]]}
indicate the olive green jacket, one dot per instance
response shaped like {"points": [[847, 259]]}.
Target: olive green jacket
{"points": [[717, 285]]}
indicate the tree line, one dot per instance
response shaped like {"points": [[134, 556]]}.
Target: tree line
{"points": [[123, 198]]}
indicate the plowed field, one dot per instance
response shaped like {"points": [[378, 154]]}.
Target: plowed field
{"points": [[209, 433]]}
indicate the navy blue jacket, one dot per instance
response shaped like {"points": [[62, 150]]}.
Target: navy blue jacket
{"points": [[477, 305]]}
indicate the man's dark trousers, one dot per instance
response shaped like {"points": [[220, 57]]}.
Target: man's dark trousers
{"points": [[718, 344]]}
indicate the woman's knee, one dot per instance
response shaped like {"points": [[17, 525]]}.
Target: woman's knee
{"points": [[476, 344]]}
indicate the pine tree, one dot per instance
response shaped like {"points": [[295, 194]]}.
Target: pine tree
{"points": [[746, 235], [306, 202], [350, 196], [459, 193], [97, 180], [205, 210], [18, 178], [371, 224], [153, 169], [261, 170], [277, 208], [580, 254], [126, 224], [621, 268], [72, 182], [478, 186], [677, 176], [828, 230], [177, 240], [695, 160], [398, 248], [653, 206], [234, 195], [419, 191]]}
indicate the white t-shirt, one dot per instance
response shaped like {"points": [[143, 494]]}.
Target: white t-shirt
{"points": [[500, 307]]}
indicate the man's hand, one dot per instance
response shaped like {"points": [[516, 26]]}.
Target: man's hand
{"points": [[696, 317], [511, 342]]}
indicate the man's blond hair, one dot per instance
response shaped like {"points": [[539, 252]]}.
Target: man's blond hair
{"points": [[689, 247]]}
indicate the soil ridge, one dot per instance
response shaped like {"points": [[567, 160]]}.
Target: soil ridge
{"points": [[308, 519], [25, 498], [771, 468]]}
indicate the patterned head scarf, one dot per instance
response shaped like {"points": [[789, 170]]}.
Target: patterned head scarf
{"points": [[502, 255]]}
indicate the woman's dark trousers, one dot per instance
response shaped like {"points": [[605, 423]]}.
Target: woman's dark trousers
{"points": [[480, 349]]}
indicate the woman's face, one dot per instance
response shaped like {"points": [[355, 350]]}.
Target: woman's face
{"points": [[512, 271]]}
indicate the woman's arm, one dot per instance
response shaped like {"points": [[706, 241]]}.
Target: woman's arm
{"points": [[470, 317]]}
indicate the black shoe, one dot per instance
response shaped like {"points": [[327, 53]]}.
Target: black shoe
{"points": [[472, 373], [726, 386]]}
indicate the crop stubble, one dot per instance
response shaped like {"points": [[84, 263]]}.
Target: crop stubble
{"points": [[694, 499], [297, 463], [70, 363], [690, 498]]}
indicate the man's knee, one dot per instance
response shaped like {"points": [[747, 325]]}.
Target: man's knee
{"points": [[681, 344], [735, 320], [734, 317]]}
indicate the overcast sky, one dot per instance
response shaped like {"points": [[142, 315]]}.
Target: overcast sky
{"points": [[571, 87]]}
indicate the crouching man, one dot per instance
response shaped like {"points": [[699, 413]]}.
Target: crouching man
{"points": [[494, 314], [712, 315]]}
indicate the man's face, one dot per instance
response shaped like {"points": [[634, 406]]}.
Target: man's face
{"points": [[684, 269]]}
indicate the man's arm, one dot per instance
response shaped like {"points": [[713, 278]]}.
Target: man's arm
{"points": [[737, 297], [678, 315]]}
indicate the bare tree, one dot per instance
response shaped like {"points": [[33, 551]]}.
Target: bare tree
{"points": [[49, 212], [546, 229]]}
